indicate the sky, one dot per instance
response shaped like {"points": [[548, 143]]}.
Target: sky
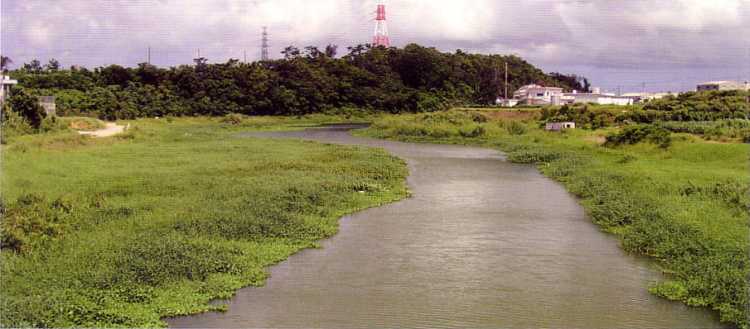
{"points": [[630, 45]]}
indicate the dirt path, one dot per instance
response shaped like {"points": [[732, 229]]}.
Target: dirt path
{"points": [[110, 129]]}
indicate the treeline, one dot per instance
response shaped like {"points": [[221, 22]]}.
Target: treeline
{"points": [[309, 80]]}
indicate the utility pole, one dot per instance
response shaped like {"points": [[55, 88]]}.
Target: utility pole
{"points": [[148, 60], [506, 81], [244, 53]]}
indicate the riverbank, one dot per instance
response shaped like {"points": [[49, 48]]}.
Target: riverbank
{"points": [[684, 205], [161, 219]]}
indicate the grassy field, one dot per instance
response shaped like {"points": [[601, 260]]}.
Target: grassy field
{"points": [[683, 203], [158, 221]]}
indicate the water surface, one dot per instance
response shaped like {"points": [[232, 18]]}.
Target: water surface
{"points": [[482, 243]]}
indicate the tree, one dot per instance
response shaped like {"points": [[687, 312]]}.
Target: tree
{"points": [[200, 61], [115, 75], [290, 52], [331, 50], [53, 65], [312, 52], [5, 61], [28, 107], [35, 66]]}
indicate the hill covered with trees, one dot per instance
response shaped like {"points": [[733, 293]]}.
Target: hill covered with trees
{"points": [[309, 80]]}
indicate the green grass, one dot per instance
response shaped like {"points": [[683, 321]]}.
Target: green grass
{"points": [[122, 231], [685, 206]]}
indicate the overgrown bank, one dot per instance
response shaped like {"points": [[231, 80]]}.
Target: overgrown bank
{"points": [[158, 221], [674, 197]]}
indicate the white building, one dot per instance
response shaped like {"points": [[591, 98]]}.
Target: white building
{"points": [[6, 85], [538, 95], [597, 98], [644, 97], [723, 85]]}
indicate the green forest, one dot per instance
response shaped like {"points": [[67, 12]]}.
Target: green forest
{"points": [[304, 81]]}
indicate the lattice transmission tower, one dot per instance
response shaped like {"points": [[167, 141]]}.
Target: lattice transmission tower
{"points": [[264, 45], [381, 28]]}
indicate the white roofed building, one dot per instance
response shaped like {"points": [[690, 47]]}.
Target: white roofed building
{"points": [[538, 95]]}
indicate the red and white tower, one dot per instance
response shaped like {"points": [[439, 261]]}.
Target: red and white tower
{"points": [[381, 28]]}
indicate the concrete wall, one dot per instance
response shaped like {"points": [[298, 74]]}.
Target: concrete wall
{"points": [[48, 103]]}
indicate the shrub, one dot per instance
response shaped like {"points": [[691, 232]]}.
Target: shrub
{"points": [[639, 133], [28, 107], [32, 219], [52, 124], [232, 119], [13, 124], [515, 128], [472, 131]]}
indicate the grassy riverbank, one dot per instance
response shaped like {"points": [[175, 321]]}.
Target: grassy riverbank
{"points": [[158, 221], [683, 204]]}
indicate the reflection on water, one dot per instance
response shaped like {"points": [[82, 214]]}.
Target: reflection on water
{"points": [[482, 243]]}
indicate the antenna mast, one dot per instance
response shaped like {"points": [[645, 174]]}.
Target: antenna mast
{"points": [[381, 28], [264, 45]]}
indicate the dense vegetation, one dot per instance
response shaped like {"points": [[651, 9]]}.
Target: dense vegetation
{"points": [[412, 79], [676, 198], [717, 115], [173, 213]]}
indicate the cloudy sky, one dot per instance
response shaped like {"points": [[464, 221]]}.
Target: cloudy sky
{"points": [[659, 44]]}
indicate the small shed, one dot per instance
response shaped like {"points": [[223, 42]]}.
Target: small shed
{"points": [[48, 103], [559, 126]]}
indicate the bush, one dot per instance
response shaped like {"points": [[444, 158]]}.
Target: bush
{"points": [[13, 124], [515, 128], [32, 219], [471, 131], [232, 119], [53, 124], [28, 107], [639, 133]]}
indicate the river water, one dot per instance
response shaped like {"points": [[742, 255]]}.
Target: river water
{"points": [[482, 243]]}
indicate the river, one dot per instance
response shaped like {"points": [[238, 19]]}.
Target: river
{"points": [[482, 243]]}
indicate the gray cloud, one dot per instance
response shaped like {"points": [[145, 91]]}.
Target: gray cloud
{"points": [[668, 44]]}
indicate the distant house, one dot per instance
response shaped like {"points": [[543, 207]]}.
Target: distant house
{"points": [[559, 126], [48, 103], [538, 95], [723, 85]]}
